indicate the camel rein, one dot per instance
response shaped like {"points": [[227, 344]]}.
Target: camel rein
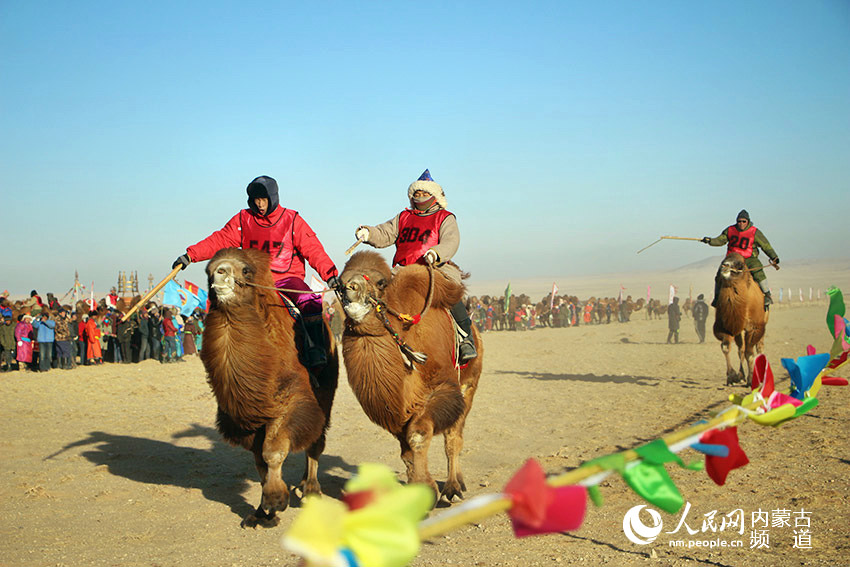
{"points": [[751, 270], [252, 284], [407, 320]]}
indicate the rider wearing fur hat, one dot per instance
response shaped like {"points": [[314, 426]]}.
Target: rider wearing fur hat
{"points": [[745, 239], [425, 233]]}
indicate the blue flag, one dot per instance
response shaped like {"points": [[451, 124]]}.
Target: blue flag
{"points": [[179, 297]]}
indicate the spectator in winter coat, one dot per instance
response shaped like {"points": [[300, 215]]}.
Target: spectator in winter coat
{"points": [[82, 345], [143, 335], [63, 340], [23, 339], [190, 329], [45, 326], [170, 332], [156, 331], [700, 311], [7, 344], [124, 335], [94, 354], [674, 315]]}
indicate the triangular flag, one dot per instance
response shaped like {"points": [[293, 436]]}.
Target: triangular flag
{"points": [[538, 508], [718, 467]]}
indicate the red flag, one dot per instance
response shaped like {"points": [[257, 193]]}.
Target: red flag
{"points": [[191, 288], [718, 467], [538, 508]]}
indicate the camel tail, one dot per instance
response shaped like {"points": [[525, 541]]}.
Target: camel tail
{"points": [[445, 406]]}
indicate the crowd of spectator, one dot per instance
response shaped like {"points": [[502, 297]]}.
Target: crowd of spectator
{"points": [[40, 336]]}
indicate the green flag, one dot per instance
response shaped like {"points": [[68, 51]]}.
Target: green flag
{"points": [[836, 307], [507, 297]]}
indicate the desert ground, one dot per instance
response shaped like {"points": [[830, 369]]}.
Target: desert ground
{"points": [[121, 464]]}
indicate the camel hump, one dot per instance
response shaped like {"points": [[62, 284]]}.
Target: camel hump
{"points": [[415, 281], [406, 288]]}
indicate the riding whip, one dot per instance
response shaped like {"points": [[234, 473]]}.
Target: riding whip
{"points": [[668, 238]]}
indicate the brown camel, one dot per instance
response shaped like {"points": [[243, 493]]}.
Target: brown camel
{"points": [[267, 402], [740, 315], [413, 401]]}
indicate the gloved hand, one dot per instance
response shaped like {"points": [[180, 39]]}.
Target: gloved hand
{"points": [[182, 261], [362, 233], [431, 257], [776, 261], [336, 284], [705, 240]]}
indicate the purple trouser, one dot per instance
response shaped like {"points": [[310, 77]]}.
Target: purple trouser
{"points": [[308, 303]]}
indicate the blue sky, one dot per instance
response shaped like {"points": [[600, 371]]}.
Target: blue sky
{"points": [[566, 135]]}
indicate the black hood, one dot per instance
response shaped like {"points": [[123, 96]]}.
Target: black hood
{"points": [[263, 186]]}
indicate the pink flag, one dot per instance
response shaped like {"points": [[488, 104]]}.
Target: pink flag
{"points": [[554, 291]]}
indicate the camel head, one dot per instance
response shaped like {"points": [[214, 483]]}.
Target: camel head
{"points": [[230, 269], [733, 268], [366, 275]]}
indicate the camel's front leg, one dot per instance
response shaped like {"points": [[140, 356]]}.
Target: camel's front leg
{"points": [[417, 436], [743, 355], [269, 460], [726, 346]]}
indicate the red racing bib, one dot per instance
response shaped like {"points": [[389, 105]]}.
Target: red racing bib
{"points": [[741, 241], [276, 240], [416, 235]]}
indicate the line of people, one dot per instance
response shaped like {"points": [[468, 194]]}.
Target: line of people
{"points": [[65, 337]]}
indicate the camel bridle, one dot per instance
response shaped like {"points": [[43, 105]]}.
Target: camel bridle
{"points": [[381, 309]]}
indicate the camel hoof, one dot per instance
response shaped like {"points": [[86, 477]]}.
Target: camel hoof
{"points": [[451, 490], [309, 487], [260, 519]]}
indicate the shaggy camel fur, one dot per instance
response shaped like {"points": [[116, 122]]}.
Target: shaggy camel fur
{"points": [[740, 315], [412, 401], [266, 402]]}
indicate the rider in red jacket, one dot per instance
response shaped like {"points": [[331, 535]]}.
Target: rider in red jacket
{"points": [[289, 240]]}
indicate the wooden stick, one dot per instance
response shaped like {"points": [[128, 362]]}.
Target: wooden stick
{"points": [[352, 247], [669, 238], [152, 292], [645, 247], [680, 238]]}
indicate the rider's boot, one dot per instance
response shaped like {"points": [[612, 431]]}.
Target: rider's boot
{"points": [[766, 290], [315, 341], [461, 317]]}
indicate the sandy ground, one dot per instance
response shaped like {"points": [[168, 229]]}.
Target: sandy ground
{"points": [[121, 465]]}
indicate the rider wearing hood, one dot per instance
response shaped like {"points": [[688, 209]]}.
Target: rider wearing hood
{"points": [[425, 233], [745, 239], [289, 240]]}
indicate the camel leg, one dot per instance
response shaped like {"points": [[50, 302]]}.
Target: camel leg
{"points": [[418, 435], [275, 497], [726, 346], [310, 482], [406, 456], [260, 517], [742, 357], [454, 444]]}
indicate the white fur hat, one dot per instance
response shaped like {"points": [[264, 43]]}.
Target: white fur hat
{"points": [[425, 183]]}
